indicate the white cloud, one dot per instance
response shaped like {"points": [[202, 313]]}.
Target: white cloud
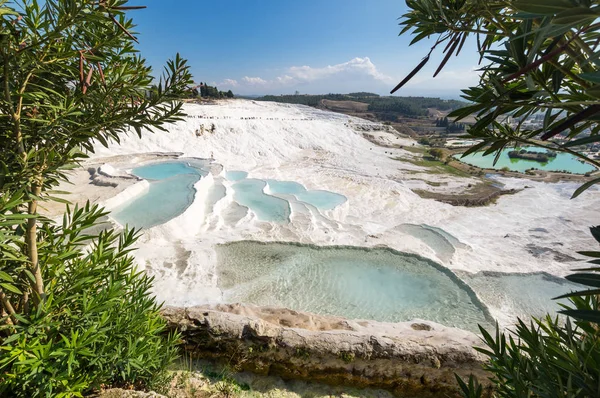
{"points": [[362, 66], [357, 74], [286, 80], [254, 81], [229, 83]]}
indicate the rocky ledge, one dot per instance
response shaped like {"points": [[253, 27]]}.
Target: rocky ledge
{"points": [[417, 358]]}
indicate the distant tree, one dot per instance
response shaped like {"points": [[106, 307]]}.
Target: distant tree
{"points": [[436, 153], [202, 89], [229, 94]]}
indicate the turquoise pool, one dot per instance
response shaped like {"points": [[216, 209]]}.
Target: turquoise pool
{"points": [[171, 192], [524, 295], [235, 175], [379, 284], [562, 162], [354, 283], [249, 193], [260, 196], [323, 200]]}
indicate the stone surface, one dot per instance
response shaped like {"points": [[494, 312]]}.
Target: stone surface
{"points": [[120, 393], [410, 359]]}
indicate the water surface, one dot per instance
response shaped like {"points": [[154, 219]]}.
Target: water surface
{"points": [[170, 193], [249, 193], [354, 283], [323, 200], [562, 162]]}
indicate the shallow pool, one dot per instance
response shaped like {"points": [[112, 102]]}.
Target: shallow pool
{"points": [[523, 295], [439, 240], [354, 283], [249, 193], [323, 200], [562, 162], [235, 175], [170, 193]]}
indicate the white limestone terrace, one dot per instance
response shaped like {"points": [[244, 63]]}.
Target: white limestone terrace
{"points": [[327, 151]]}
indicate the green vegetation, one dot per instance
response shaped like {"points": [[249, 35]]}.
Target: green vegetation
{"points": [[435, 166], [532, 155], [390, 106], [207, 91], [451, 127], [436, 153], [543, 57], [74, 313]]}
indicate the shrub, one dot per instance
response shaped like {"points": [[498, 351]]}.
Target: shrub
{"points": [[74, 314], [550, 357], [436, 153], [99, 325], [544, 357]]}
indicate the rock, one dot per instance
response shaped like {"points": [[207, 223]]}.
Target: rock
{"points": [[420, 326], [409, 359], [120, 393]]}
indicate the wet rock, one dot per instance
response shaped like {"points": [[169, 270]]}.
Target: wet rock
{"points": [[409, 359]]}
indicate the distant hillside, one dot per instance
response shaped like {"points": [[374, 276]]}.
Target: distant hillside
{"points": [[385, 107]]}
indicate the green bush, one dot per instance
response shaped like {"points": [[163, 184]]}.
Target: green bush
{"points": [[99, 325], [550, 357], [545, 358]]}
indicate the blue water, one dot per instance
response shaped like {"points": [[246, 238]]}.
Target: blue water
{"points": [[161, 171], [285, 187], [323, 200], [443, 247], [562, 162], [235, 175], [524, 295], [249, 193], [354, 283], [170, 193]]}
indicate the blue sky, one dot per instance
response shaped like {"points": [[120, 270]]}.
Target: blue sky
{"points": [[280, 46]]}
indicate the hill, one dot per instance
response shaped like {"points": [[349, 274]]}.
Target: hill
{"points": [[385, 108]]}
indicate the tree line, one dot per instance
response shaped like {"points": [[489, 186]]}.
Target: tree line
{"points": [[389, 107], [451, 127], [207, 91]]}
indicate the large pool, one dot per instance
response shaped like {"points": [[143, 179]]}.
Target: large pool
{"points": [[562, 162], [171, 192], [355, 283], [379, 284]]}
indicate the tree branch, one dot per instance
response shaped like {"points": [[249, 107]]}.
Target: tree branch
{"points": [[6, 304]]}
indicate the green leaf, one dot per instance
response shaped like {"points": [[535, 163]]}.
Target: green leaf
{"points": [[10, 288], [582, 141], [595, 231], [590, 254], [594, 91], [587, 279], [580, 293], [574, 16], [543, 7], [591, 76], [586, 315], [4, 276], [584, 187]]}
